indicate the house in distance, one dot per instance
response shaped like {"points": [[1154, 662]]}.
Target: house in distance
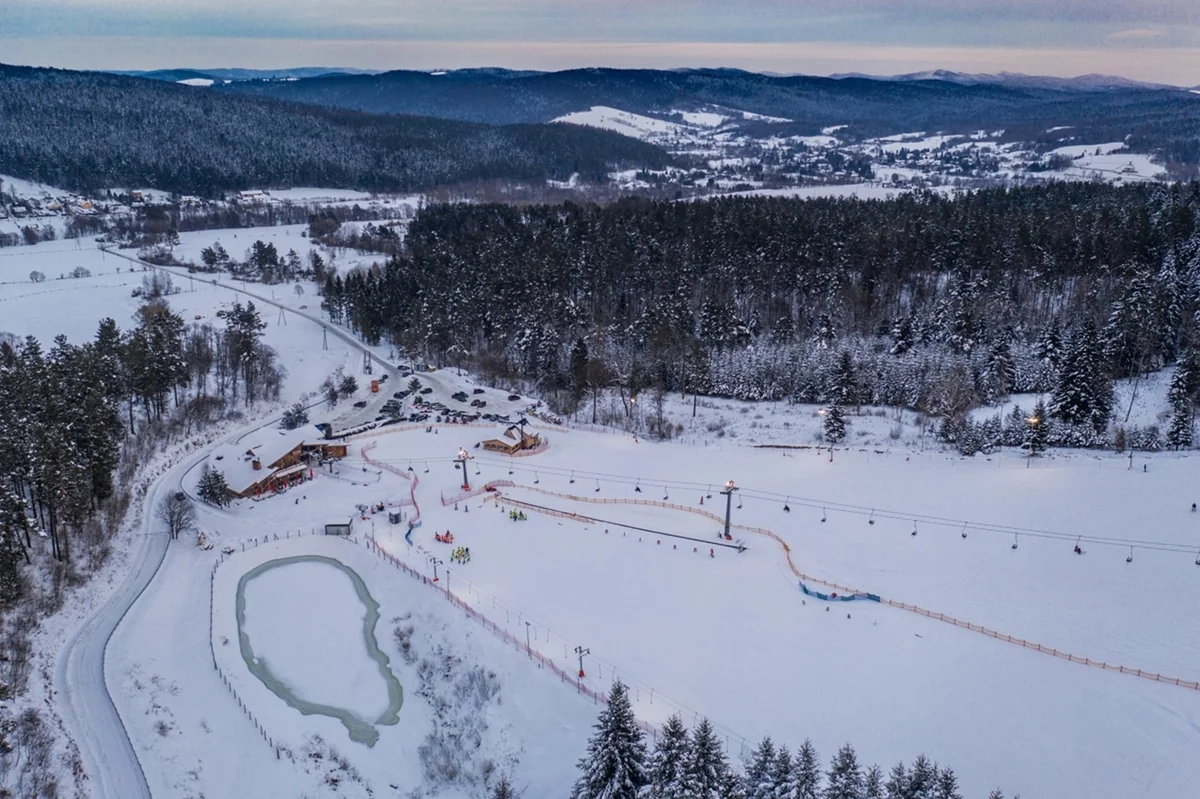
{"points": [[514, 439], [271, 461]]}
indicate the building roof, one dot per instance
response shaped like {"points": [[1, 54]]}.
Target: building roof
{"points": [[236, 460]]}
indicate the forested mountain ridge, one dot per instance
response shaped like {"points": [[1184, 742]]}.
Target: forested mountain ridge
{"points": [[1165, 120], [90, 130]]}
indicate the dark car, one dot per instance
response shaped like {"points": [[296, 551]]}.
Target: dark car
{"points": [[427, 390], [513, 397], [477, 391], [398, 395], [478, 403], [360, 404]]}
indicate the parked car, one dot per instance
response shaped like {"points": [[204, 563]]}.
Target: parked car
{"points": [[477, 391], [427, 390], [478, 403], [513, 397], [360, 404]]}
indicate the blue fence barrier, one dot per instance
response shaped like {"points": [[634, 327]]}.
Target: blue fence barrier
{"points": [[835, 597]]}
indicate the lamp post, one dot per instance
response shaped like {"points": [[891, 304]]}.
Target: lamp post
{"points": [[462, 459], [579, 650], [1033, 423], [436, 562], [728, 494], [528, 648]]}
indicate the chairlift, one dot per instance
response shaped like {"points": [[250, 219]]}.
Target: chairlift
{"points": [[666, 494], [709, 494], [1198, 557], [871, 518], [823, 516], [964, 530], [426, 467], [637, 489], [597, 486], [914, 530], [1015, 539], [477, 468], [739, 501], [1130, 558], [572, 480], [410, 468], [786, 507], [510, 470], [536, 478]]}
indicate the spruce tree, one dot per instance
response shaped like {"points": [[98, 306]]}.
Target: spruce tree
{"points": [[845, 779], [807, 768], [15, 526], [873, 787], [668, 766], [896, 786], [213, 489], [707, 770], [843, 383], [295, 416], [1181, 396], [1084, 394], [615, 764], [1037, 429], [922, 779], [783, 780], [835, 423], [947, 785], [758, 774]]}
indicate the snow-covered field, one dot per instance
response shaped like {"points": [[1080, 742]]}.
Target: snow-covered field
{"points": [[727, 635]]}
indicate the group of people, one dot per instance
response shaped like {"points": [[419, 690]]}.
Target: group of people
{"points": [[461, 555], [447, 538], [517, 515]]}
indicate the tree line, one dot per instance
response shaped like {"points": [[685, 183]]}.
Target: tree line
{"points": [[943, 303]]}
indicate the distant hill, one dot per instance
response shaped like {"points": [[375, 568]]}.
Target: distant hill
{"points": [[220, 75], [87, 130], [1082, 83], [1153, 119]]}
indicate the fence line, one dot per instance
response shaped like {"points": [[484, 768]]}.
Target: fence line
{"points": [[853, 592], [543, 661]]}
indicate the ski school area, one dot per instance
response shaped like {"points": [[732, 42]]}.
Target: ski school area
{"points": [[854, 593]]}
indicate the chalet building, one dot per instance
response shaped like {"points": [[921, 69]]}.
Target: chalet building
{"points": [[513, 440], [271, 461]]}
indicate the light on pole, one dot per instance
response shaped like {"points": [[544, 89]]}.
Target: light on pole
{"points": [[728, 494], [436, 562], [462, 459], [1033, 422], [579, 650]]}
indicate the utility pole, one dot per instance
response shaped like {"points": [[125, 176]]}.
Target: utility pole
{"points": [[728, 494], [528, 648], [579, 650], [462, 459], [435, 563]]}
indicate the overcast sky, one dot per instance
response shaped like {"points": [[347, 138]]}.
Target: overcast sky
{"points": [[1145, 39]]}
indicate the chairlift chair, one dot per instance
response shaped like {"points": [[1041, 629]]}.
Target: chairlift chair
{"points": [[1130, 558], [823, 516], [786, 507], [964, 531], [572, 480], [914, 530], [597, 486], [871, 518], [1015, 539], [536, 478]]}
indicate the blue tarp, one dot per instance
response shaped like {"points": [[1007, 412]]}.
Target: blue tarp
{"points": [[836, 597]]}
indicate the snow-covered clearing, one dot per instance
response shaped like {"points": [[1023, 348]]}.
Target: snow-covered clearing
{"points": [[1076, 150], [203, 82], [626, 122]]}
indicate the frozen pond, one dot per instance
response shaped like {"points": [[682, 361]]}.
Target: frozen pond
{"points": [[306, 629]]}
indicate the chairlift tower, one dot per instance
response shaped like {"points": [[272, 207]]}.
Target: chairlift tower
{"points": [[462, 459], [728, 494]]}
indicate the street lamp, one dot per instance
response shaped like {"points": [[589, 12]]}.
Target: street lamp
{"points": [[436, 562], [1033, 422], [462, 459], [528, 647], [728, 494]]}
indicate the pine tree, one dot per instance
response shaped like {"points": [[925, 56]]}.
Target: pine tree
{"points": [[1000, 372], [835, 423], [615, 764], [845, 779], [783, 780], [347, 386], [213, 489], [1084, 394], [1037, 429], [1181, 396], [843, 384], [897, 782], [1049, 347], [807, 769], [903, 335], [996, 794], [922, 779], [947, 785], [707, 770], [295, 416], [873, 787], [668, 766], [758, 774], [14, 525]]}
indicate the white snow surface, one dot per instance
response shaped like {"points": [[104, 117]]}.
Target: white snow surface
{"points": [[625, 122], [196, 82]]}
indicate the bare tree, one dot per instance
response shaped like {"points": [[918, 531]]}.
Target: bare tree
{"points": [[178, 513]]}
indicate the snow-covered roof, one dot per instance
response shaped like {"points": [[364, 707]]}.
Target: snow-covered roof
{"points": [[236, 460]]}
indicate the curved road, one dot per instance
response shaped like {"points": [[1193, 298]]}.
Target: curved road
{"points": [[84, 700]]}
